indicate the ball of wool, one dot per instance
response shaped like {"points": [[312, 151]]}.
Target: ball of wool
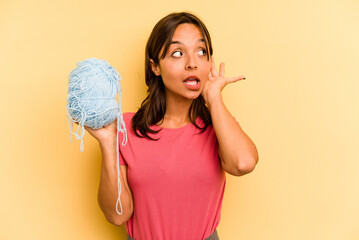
{"points": [[91, 101], [92, 91]]}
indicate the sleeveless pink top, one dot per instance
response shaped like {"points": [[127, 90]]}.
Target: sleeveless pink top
{"points": [[177, 182]]}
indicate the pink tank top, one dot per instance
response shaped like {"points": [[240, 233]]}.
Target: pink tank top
{"points": [[177, 182]]}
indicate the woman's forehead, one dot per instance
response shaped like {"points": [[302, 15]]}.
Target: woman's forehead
{"points": [[187, 32]]}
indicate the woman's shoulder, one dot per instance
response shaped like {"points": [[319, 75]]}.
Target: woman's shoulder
{"points": [[127, 117], [128, 114]]}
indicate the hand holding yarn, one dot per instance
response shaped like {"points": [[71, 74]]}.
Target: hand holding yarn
{"points": [[103, 134], [91, 100]]}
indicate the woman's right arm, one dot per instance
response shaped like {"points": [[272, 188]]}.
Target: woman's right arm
{"points": [[108, 189]]}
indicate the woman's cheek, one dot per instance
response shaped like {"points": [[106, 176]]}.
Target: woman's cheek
{"points": [[204, 83]]}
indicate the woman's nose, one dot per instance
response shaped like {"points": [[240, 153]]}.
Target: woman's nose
{"points": [[191, 63]]}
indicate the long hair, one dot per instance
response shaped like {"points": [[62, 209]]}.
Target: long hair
{"points": [[153, 107]]}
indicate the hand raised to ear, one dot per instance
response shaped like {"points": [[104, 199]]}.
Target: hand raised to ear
{"points": [[216, 82]]}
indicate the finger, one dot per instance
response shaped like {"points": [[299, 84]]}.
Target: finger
{"points": [[221, 70], [213, 69], [235, 79]]}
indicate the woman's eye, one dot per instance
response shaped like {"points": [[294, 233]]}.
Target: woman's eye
{"points": [[202, 52], [177, 54]]}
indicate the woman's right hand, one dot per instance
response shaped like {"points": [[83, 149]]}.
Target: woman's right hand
{"points": [[105, 133]]}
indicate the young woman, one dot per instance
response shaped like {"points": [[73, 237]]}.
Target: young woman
{"points": [[181, 141]]}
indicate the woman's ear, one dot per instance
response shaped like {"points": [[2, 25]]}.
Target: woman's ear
{"points": [[155, 68]]}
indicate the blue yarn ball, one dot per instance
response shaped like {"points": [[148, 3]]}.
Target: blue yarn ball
{"points": [[92, 89], [91, 101]]}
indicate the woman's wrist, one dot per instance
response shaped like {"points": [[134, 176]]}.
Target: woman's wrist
{"points": [[108, 141], [213, 100]]}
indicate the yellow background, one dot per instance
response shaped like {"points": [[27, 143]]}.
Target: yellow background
{"points": [[299, 105]]}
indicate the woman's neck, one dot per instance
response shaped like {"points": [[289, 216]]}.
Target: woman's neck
{"points": [[176, 113]]}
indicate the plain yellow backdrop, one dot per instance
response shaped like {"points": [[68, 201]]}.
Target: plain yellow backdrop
{"points": [[299, 104]]}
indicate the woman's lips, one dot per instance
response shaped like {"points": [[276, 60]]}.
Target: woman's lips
{"points": [[192, 82]]}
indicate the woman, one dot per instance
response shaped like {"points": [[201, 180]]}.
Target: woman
{"points": [[180, 142]]}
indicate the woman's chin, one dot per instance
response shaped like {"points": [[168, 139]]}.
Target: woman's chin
{"points": [[189, 95], [194, 96]]}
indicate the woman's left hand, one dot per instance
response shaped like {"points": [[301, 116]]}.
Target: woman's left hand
{"points": [[212, 90]]}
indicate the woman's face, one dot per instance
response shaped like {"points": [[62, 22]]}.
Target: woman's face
{"points": [[185, 68]]}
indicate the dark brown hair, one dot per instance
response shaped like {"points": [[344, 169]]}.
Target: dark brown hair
{"points": [[153, 108]]}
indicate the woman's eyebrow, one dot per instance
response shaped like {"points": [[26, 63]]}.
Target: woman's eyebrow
{"points": [[178, 42]]}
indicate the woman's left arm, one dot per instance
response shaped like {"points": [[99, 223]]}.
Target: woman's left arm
{"points": [[237, 152]]}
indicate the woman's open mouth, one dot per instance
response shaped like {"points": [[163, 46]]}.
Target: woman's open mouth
{"points": [[192, 82]]}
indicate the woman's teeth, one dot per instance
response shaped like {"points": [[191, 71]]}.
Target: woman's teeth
{"points": [[192, 82]]}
